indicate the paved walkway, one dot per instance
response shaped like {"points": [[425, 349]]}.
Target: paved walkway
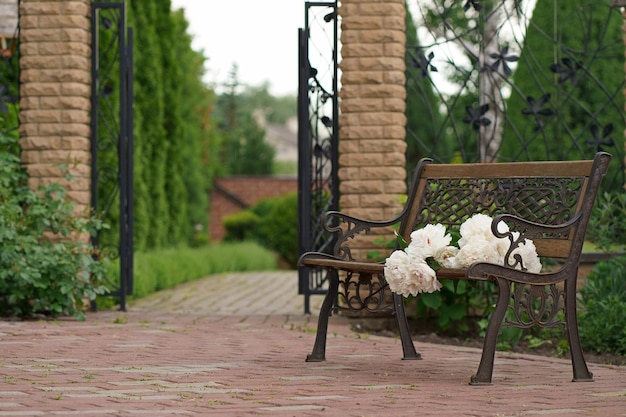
{"points": [[201, 350]]}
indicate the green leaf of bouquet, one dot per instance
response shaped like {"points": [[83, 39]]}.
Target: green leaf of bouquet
{"points": [[401, 242], [456, 311], [456, 286], [433, 264], [432, 300]]}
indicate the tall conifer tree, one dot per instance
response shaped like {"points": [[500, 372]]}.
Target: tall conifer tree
{"points": [[564, 101]]}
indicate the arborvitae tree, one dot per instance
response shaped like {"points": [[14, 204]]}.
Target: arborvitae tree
{"points": [[566, 102], [174, 128], [178, 227], [196, 132], [149, 99]]}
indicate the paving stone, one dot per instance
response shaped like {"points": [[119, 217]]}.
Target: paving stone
{"points": [[162, 359]]}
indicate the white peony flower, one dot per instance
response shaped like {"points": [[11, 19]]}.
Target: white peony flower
{"points": [[446, 257], [478, 249], [427, 241], [397, 271], [407, 272], [422, 278], [479, 225]]}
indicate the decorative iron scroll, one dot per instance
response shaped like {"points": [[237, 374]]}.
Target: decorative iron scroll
{"points": [[364, 292], [534, 305], [318, 111]]}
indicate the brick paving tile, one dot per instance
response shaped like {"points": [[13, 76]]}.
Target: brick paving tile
{"points": [[162, 361]]}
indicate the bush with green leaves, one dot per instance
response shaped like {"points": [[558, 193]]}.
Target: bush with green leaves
{"points": [[278, 228], [603, 308], [607, 225], [240, 226], [44, 268], [272, 222]]}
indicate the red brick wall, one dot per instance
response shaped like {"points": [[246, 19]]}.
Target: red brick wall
{"points": [[233, 194]]}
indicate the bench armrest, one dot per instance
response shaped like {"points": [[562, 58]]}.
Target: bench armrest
{"points": [[531, 229], [319, 259], [520, 229], [347, 227]]}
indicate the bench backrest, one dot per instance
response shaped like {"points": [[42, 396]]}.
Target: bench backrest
{"points": [[547, 192]]}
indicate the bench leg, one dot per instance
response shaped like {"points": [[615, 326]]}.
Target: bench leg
{"points": [[319, 348], [485, 369], [581, 372], [408, 349]]}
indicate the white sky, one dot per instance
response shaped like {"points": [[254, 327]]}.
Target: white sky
{"points": [[260, 36]]}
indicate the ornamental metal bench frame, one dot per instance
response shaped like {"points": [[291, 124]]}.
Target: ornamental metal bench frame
{"points": [[549, 202]]}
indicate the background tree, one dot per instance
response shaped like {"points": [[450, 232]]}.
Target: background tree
{"points": [[196, 104], [424, 120], [151, 212], [174, 130], [274, 109], [171, 28], [471, 39], [566, 95], [244, 150]]}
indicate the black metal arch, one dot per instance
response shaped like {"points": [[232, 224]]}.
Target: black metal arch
{"points": [[318, 131], [112, 138]]}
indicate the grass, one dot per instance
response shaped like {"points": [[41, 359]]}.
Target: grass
{"points": [[166, 268], [285, 168], [590, 247]]}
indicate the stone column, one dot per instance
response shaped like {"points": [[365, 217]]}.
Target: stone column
{"points": [[55, 94], [372, 119]]}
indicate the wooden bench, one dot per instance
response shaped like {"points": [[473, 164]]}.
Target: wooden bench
{"points": [[548, 202]]}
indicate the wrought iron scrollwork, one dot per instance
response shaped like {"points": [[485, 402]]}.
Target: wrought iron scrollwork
{"points": [[364, 291], [317, 138], [534, 305]]}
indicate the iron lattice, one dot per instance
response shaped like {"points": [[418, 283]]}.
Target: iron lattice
{"points": [[540, 200]]}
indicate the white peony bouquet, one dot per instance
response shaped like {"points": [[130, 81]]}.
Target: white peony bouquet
{"points": [[408, 271]]}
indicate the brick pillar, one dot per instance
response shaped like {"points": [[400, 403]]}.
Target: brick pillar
{"points": [[372, 120], [55, 93]]}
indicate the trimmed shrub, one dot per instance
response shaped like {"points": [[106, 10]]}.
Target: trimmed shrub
{"points": [[240, 226]]}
